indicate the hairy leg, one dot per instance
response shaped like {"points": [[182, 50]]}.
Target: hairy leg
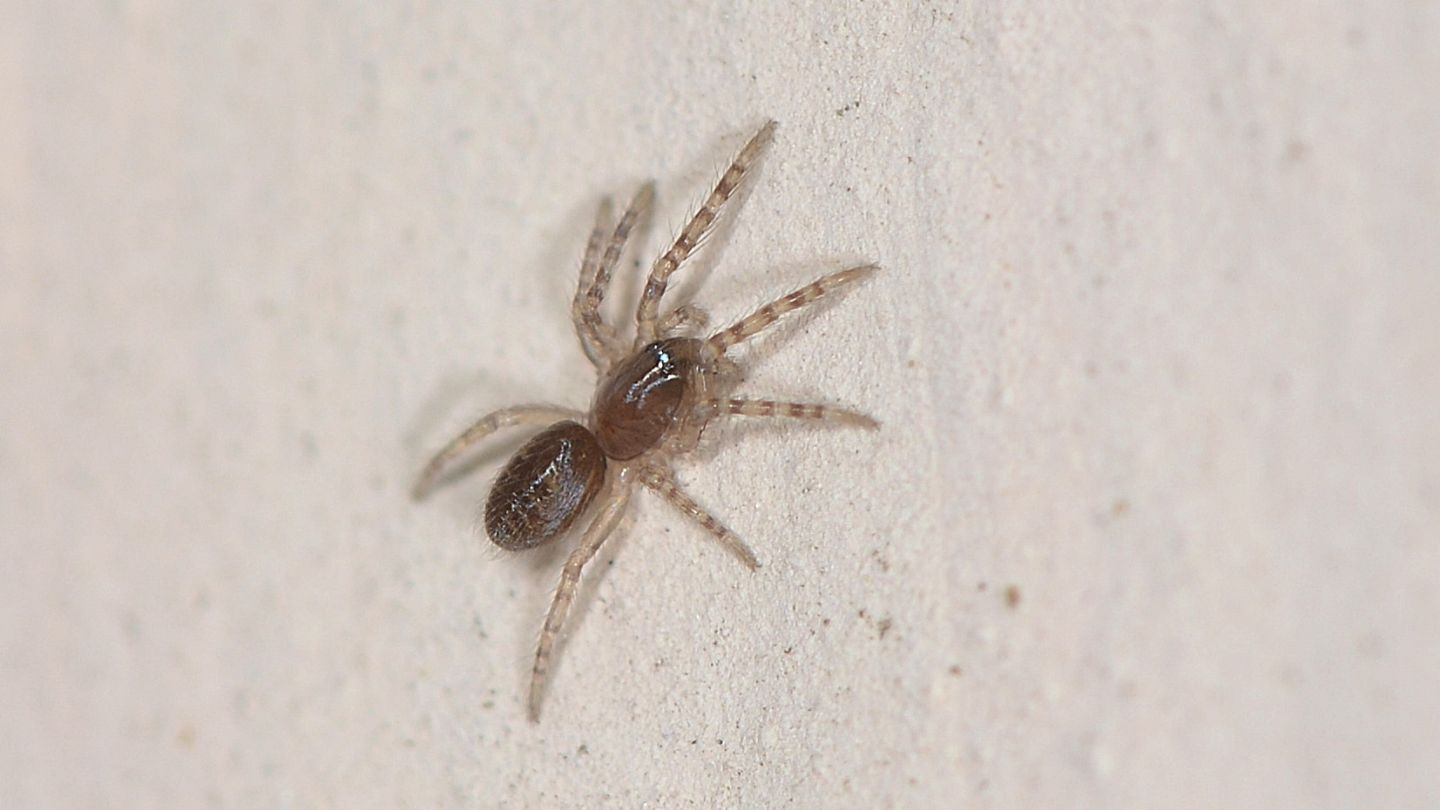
{"points": [[663, 483], [486, 425], [791, 410], [767, 315], [600, 528], [694, 232], [588, 299]]}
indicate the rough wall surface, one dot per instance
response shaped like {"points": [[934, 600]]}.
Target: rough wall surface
{"points": [[1153, 521]]}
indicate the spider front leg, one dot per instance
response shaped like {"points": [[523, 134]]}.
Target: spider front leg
{"points": [[694, 231], [596, 337], [486, 425], [766, 316], [662, 483], [595, 536]]}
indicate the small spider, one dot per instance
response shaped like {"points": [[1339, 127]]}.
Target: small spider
{"points": [[655, 397]]}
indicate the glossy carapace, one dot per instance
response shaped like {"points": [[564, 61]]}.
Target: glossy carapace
{"points": [[640, 399]]}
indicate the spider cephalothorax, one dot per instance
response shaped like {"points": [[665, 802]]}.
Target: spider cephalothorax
{"points": [[655, 395]]}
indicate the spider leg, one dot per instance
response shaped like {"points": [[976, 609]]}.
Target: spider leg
{"points": [[792, 410], [682, 319], [767, 315], [487, 424], [695, 230], [594, 332], [595, 536], [663, 484], [594, 337]]}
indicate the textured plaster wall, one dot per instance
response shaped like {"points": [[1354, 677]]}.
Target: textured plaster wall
{"points": [[1154, 519]]}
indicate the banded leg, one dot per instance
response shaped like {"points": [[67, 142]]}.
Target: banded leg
{"points": [[663, 484], [791, 410], [593, 336], [487, 424], [600, 529], [694, 232], [767, 315], [588, 312]]}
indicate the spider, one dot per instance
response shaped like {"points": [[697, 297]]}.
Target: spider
{"points": [[655, 396]]}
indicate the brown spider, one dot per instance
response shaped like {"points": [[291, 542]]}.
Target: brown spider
{"points": [[654, 398]]}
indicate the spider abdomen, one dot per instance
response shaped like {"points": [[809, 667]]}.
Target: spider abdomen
{"points": [[544, 487], [639, 400]]}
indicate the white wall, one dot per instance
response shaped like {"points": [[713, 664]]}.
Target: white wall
{"points": [[1155, 345]]}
